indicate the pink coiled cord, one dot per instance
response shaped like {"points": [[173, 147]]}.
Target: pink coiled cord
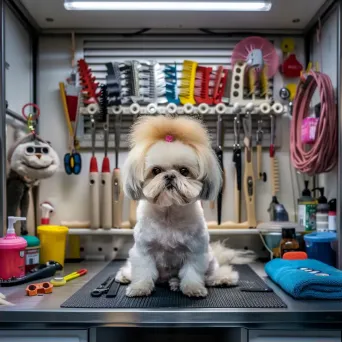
{"points": [[322, 156]]}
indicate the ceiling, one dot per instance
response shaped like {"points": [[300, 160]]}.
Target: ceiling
{"points": [[281, 16]]}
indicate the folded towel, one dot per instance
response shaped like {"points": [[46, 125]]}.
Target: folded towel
{"points": [[306, 279]]}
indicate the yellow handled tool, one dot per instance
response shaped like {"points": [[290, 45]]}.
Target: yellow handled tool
{"points": [[61, 281]]}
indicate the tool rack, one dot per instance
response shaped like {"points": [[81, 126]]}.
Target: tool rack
{"points": [[210, 118]]}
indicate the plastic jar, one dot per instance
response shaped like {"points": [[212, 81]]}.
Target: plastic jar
{"points": [[52, 243], [32, 252], [319, 246], [12, 257]]}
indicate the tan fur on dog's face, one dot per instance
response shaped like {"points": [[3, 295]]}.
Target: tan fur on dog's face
{"points": [[171, 174]]}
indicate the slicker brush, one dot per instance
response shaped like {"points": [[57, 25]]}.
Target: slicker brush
{"points": [[103, 102]]}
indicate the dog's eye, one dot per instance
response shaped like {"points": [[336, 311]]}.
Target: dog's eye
{"points": [[184, 171], [156, 171]]}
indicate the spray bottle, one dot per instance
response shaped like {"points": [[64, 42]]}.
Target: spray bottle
{"points": [[307, 209], [12, 252], [47, 210]]}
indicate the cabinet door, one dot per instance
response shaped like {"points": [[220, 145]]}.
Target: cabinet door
{"points": [[293, 336], [43, 335]]}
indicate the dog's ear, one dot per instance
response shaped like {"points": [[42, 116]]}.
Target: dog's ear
{"points": [[133, 174], [210, 174]]}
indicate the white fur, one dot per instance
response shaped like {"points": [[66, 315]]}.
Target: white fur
{"points": [[171, 235]]}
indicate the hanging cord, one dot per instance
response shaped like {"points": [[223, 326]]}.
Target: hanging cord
{"points": [[322, 157]]}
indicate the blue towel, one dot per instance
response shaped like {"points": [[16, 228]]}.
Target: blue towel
{"points": [[306, 279]]}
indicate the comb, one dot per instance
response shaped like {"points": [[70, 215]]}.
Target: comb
{"points": [[152, 85], [103, 102], [126, 82], [187, 88], [113, 80], [171, 84], [135, 96], [202, 80], [220, 84], [87, 82]]}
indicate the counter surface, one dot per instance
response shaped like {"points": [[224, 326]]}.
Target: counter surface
{"points": [[46, 311]]}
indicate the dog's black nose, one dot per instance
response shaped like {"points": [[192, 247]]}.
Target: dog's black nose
{"points": [[169, 177]]}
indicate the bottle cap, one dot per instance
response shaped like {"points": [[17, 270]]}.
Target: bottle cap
{"points": [[11, 240], [306, 191], [11, 221], [332, 205], [288, 233], [321, 199]]}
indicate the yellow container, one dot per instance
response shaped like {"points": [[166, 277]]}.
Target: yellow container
{"points": [[52, 243]]}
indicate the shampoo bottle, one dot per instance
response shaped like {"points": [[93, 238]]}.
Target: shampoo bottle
{"points": [[12, 252], [322, 212], [307, 210], [332, 215]]}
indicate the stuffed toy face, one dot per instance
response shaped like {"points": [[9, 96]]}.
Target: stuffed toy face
{"points": [[34, 159]]}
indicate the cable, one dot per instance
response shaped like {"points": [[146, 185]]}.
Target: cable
{"points": [[322, 156]]}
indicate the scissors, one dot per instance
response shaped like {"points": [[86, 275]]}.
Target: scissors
{"points": [[104, 287], [72, 160]]}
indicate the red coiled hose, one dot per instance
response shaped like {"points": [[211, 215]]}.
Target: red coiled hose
{"points": [[322, 156]]}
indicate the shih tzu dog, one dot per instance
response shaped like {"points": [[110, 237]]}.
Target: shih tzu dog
{"points": [[170, 168]]}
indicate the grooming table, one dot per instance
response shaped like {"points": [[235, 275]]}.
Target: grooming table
{"points": [[163, 297]]}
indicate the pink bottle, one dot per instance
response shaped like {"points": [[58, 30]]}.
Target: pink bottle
{"points": [[12, 252]]}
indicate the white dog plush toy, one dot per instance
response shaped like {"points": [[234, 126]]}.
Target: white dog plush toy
{"points": [[31, 159], [170, 168]]}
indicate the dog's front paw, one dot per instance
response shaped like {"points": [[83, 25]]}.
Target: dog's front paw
{"points": [[174, 284], [193, 290], [140, 289], [121, 278]]}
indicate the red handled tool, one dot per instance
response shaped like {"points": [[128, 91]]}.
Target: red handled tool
{"points": [[117, 182], [220, 84], [94, 181], [106, 186], [87, 82], [202, 85]]}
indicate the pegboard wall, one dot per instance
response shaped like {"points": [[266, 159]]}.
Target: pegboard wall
{"points": [[70, 194]]}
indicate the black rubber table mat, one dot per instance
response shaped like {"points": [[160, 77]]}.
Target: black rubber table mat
{"points": [[163, 297]]}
